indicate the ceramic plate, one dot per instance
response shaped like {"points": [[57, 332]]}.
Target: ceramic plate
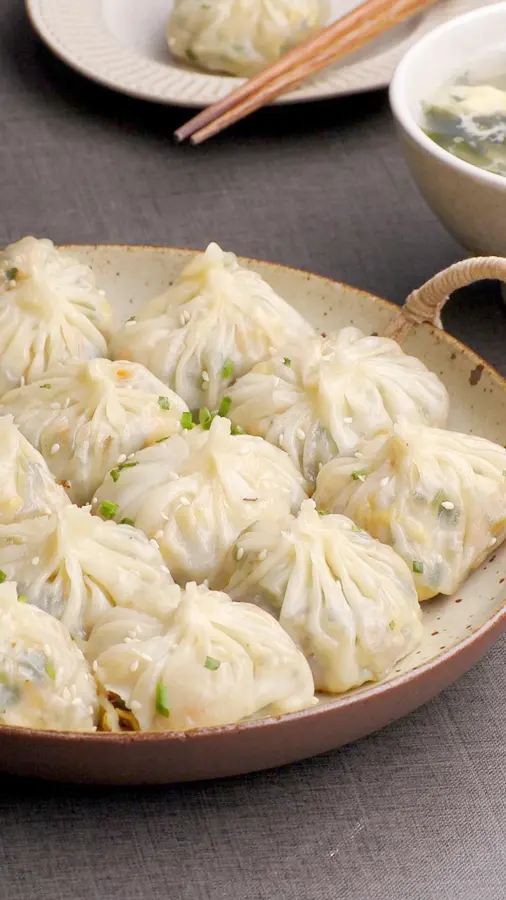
{"points": [[457, 630], [121, 44]]}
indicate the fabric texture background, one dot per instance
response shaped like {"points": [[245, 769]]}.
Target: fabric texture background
{"points": [[417, 811]]}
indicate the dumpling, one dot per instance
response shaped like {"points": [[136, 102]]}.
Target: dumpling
{"points": [[50, 311], [27, 487], [215, 322], [88, 417], [322, 399], [347, 601], [195, 494], [45, 681], [437, 497], [241, 37], [212, 662], [74, 566]]}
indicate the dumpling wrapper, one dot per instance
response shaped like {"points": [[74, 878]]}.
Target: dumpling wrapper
{"points": [[27, 487], [88, 417], [241, 37], [437, 497], [211, 326], [347, 601], [50, 311], [45, 681], [324, 398], [74, 566], [195, 494], [211, 662]]}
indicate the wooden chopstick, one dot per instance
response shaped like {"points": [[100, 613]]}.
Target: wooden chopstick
{"points": [[357, 28]]}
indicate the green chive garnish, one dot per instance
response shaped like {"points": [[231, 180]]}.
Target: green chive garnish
{"points": [[186, 421], [46, 386], [11, 274], [225, 405], [3, 576], [417, 567], [161, 440], [359, 476], [162, 700], [356, 529], [48, 669], [323, 512], [163, 402], [107, 509], [212, 664], [287, 362], [205, 418], [127, 522], [23, 599], [236, 429], [391, 625], [131, 319], [115, 473], [228, 368]]}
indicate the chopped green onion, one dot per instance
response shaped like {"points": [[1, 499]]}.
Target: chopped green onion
{"points": [[3, 576], [504, 471], [50, 671], [391, 625], [46, 386], [212, 664], [225, 405], [161, 440], [191, 56], [131, 319], [359, 476], [228, 368], [323, 512], [162, 700], [115, 473], [418, 567], [287, 362], [356, 529], [163, 402], [205, 418], [23, 599], [236, 429], [11, 274], [186, 421], [127, 522], [107, 509]]}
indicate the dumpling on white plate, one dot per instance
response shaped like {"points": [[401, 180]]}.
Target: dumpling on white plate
{"points": [[437, 497], [211, 662], [50, 311], [27, 488], [87, 417], [75, 566], [322, 399], [241, 37], [215, 322], [195, 494], [45, 681], [347, 601]]}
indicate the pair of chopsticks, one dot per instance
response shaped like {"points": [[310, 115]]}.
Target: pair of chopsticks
{"points": [[357, 28]]}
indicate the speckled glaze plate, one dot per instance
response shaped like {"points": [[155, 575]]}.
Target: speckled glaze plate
{"points": [[457, 630], [121, 44]]}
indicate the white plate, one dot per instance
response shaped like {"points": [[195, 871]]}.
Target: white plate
{"points": [[121, 44]]}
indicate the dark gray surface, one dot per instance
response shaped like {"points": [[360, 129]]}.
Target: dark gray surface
{"points": [[416, 812]]}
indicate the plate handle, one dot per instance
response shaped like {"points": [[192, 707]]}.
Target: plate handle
{"points": [[426, 303]]}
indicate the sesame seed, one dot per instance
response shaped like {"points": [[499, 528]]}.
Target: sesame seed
{"points": [[348, 420], [76, 701], [240, 553], [94, 728], [22, 381], [384, 481], [134, 666], [130, 455], [101, 292], [166, 570], [35, 561], [492, 542], [12, 283], [121, 458], [130, 323], [300, 434], [132, 633], [205, 376], [67, 403], [281, 439], [54, 449], [145, 656], [155, 543], [55, 405], [95, 665], [262, 555], [184, 501], [446, 504], [182, 319], [135, 705], [95, 500], [128, 640], [47, 650], [158, 535], [164, 517]]}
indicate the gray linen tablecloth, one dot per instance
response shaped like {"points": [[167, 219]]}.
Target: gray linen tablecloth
{"points": [[416, 812]]}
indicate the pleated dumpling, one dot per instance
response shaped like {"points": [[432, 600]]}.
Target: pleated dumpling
{"points": [[50, 311], [212, 662], [348, 601], [322, 399], [27, 487], [241, 37], [195, 494], [75, 566], [86, 418], [215, 322], [45, 681], [437, 497]]}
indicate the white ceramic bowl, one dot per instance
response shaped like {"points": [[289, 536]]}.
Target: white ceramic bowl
{"points": [[470, 202]]}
